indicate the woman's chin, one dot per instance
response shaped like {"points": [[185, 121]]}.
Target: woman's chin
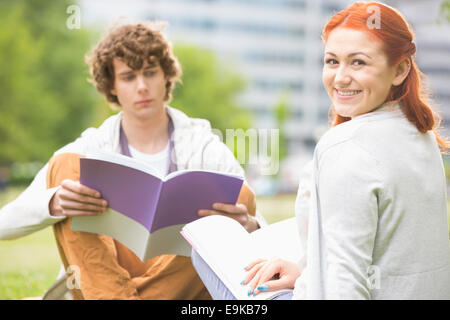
{"points": [[346, 112]]}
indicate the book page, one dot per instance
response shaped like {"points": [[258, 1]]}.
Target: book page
{"points": [[228, 248], [223, 243], [182, 196], [131, 192], [125, 161], [114, 224], [167, 240], [181, 172], [278, 240]]}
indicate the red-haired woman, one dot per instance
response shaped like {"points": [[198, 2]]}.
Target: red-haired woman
{"points": [[377, 222]]}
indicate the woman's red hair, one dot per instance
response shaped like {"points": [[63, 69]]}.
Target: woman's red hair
{"points": [[397, 39]]}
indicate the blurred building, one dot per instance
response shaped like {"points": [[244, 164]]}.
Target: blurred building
{"points": [[276, 45], [433, 46]]}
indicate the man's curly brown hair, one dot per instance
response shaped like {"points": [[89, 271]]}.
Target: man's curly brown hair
{"points": [[132, 44]]}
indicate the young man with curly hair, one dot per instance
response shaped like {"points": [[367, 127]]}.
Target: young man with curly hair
{"points": [[134, 67]]}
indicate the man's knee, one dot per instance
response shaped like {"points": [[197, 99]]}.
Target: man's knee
{"points": [[247, 197], [61, 167]]}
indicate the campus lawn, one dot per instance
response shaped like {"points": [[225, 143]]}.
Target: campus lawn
{"points": [[29, 265]]}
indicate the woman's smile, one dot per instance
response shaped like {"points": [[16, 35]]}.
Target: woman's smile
{"points": [[347, 94]]}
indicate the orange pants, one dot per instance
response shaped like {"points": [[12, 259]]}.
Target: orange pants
{"points": [[108, 269]]}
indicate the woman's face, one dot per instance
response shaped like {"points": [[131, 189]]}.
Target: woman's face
{"points": [[356, 72]]}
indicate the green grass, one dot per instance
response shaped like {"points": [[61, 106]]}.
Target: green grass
{"points": [[9, 194], [276, 208], [29, 265]]}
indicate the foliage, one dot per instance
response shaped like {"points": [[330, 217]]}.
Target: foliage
{"points": [[282, 113], [445, 10], [46, 100], [208, 89]]}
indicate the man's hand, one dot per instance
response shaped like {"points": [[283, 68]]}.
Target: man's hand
{"points": [[74, 199], [238, 212]]}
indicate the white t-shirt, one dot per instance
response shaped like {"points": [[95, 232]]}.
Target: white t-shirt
{"points": [[159, 161]]}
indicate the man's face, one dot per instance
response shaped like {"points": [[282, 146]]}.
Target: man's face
{"points": [[141, 92]]}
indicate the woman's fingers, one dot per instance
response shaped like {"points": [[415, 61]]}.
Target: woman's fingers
{"points": [[273, 285], [253, 269], [273, 275], [252, 264], [269, 270]]}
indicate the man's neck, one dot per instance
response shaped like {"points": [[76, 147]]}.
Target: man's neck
{"points": [[148, 135]]}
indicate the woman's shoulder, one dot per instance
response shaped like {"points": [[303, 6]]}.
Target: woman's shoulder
{"points": [[370, 131], [338, 137]]}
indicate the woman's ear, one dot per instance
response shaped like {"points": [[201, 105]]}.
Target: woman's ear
{"points": [[402, 71]]}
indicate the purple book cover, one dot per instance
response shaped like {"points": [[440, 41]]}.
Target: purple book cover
{"points": [[155, 203]]}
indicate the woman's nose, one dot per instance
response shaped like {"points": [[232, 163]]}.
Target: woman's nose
{"points": [[342, 76]]}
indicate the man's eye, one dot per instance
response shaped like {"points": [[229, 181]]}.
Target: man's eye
{"points": [[128, 78], [149, 73]]}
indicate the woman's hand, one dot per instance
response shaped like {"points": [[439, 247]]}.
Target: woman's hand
{"points": [[237, 212], [271, 275], [73, 199]]}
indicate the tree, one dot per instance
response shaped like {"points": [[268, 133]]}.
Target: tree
{"points": [[46, 100], [445, 10], [209, 90], [282, 113]]}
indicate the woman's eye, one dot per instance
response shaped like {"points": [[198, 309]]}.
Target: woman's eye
{"points": [[149, 73], [358, 62], [331, 61]]}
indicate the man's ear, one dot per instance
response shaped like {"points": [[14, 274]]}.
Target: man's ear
{"points": [[113, 92], [402, 71]]}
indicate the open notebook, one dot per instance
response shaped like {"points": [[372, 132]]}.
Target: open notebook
{"points": [[228, 248]]}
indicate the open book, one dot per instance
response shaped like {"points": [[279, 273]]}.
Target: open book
{"points": [[147, 211], [228, 248]]}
